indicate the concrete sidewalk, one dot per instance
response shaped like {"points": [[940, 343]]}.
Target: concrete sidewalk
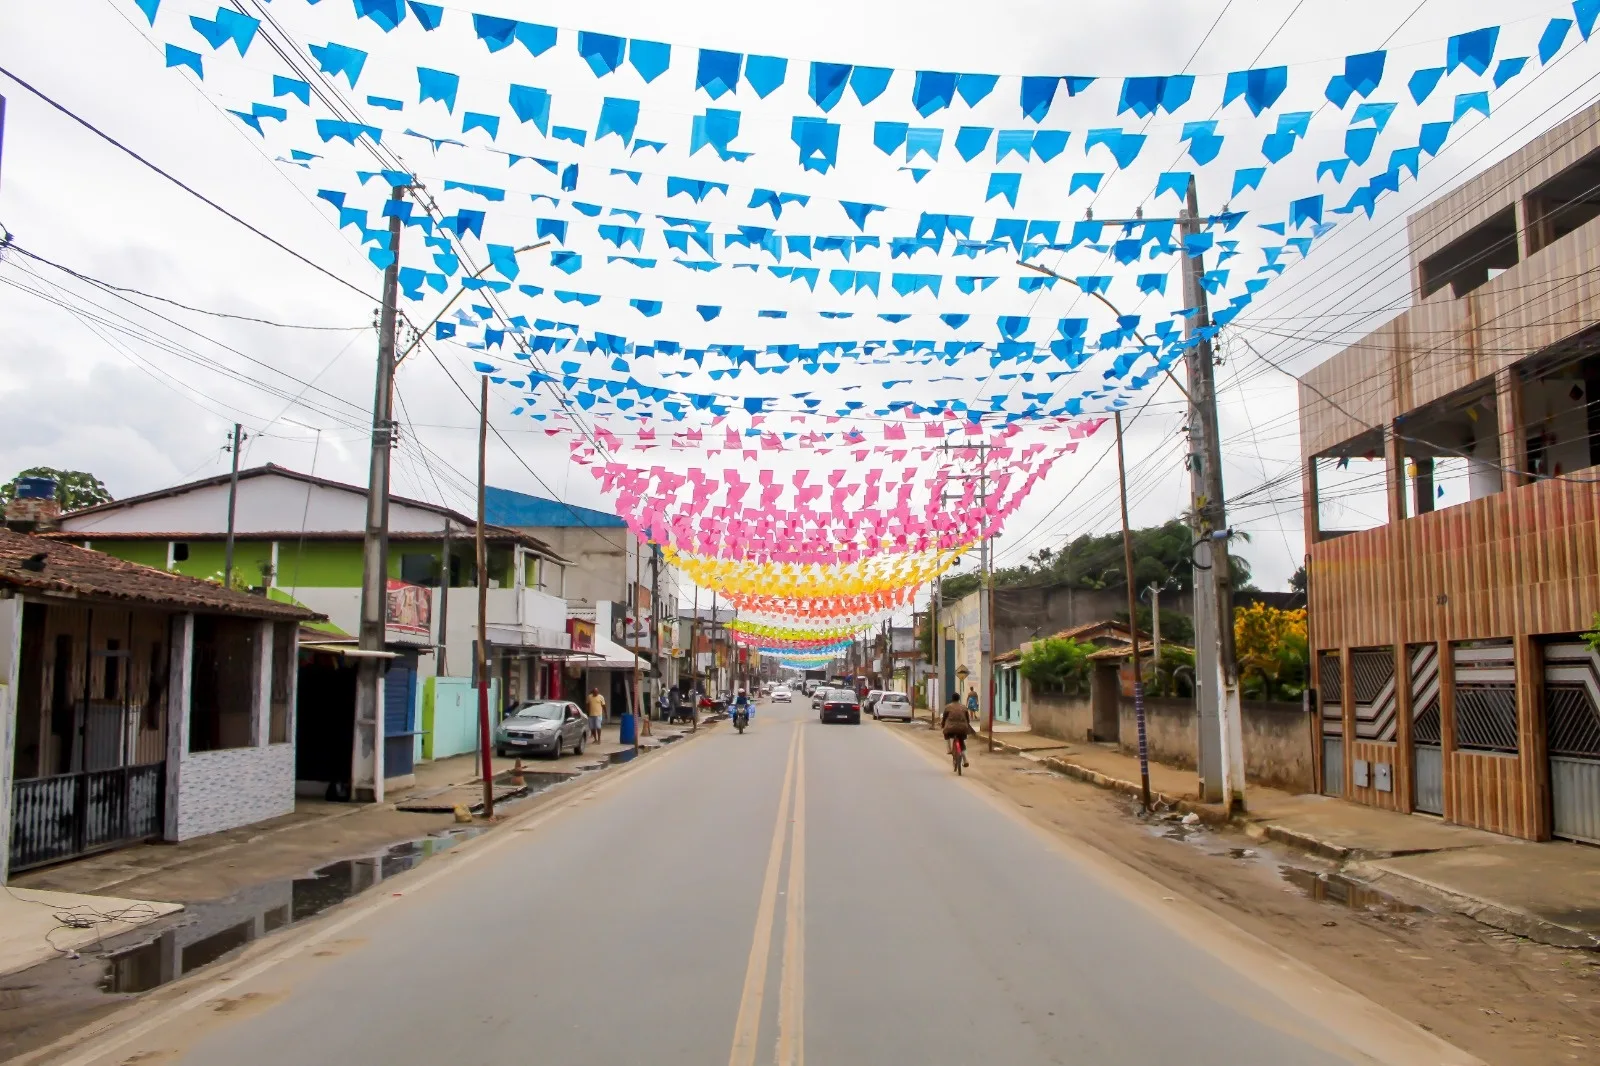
{"points": [[1548, 892]]}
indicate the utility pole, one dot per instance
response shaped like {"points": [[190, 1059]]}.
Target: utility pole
{"points": [[366, 770], [1133, 624], [694, 665], [1221, 754], [485, 740], [441, 667], [637, 700], [985, 606], [233, 498], [655, 631], [1155, 630], [940, 696]]}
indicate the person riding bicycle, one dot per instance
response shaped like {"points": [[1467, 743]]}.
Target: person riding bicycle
{"points": [[956, 722]]}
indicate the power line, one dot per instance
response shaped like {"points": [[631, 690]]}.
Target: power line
{"points": [[92, 128]]}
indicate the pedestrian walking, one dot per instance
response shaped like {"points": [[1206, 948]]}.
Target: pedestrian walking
{"points": [[597, 714]]}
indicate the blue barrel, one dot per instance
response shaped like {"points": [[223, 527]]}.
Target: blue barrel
{"points": [[629, 728]]}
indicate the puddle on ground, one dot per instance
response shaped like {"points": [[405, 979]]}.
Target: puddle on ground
{"points": [[626, 755], [537, 781], [1337, 888], [204, 933]]}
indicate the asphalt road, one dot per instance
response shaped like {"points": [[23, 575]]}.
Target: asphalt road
{"points": [[801, 892]]}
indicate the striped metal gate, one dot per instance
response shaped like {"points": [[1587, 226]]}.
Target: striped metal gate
{"points": [[1427, 736], [1330, 691], [1572, 724]]}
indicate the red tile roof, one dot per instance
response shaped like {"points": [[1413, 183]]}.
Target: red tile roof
{"points": [[67, 570]]}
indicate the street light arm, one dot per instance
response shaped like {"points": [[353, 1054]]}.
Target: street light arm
{"points": [[1047, 272], [423, 332]]}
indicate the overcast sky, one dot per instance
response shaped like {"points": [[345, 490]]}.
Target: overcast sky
{"points": [[151, 410]]}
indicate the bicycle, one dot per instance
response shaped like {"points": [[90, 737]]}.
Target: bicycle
{"points": [[958, 753]]}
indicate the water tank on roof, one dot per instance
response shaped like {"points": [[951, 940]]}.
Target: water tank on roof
{"points": [[36, 488]]}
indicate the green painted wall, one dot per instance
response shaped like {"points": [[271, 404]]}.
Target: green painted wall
{"points": [[321, 564], [149, 552]]}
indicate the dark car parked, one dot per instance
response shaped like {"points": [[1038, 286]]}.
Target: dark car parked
{"points": [[840, 706]]}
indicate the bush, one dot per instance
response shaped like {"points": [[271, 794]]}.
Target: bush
{"points": [[1057, 665]]}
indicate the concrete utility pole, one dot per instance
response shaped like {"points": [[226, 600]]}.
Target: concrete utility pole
{"points": [[366, 769], [655, 630], [1133, 624], [440, 665], [1221, 754], [233, 499], [634, 596], [485, 739], [1155, 628], [694, 665], [939, 696]]}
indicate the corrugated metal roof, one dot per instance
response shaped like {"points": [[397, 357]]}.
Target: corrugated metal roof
{"points": [[507, 507]]}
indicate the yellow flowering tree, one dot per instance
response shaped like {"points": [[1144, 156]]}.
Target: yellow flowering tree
{"points": [[1272, 651]]}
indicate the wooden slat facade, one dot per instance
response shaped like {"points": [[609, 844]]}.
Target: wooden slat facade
{"points": [[1520, 565]]}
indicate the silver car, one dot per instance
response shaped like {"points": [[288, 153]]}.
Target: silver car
{"points": [[541, 727]]}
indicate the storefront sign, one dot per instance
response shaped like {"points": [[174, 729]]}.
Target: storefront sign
{"points": [[582, 634], [410, 608]]}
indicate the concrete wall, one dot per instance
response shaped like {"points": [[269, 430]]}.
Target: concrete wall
{"points": [[601, 562], [10, 665], [209, 791], [1277, 739], [1068, 718]]}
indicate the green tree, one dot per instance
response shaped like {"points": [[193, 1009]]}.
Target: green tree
{"points": [[75, 489], [1058, 664]]}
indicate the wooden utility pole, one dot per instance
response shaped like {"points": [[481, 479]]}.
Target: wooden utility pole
{"points": [[366, 760], [694, 665], [441, 666], [1133, 624], [485, 739], [233, 499]]}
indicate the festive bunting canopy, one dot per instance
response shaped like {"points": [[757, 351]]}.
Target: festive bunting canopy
{"points": [[809, 373]]}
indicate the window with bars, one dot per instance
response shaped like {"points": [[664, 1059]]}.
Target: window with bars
{"points": [[1486, 718], [1572, 721], [1425, 728]]}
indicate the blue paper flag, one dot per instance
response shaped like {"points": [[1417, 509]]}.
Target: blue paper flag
{"points": [[1474, 50], [1050, 143], [531, 105], [282, 86], [601, 51], [933, 91], [334, 58], [887, 137], [149, 7], [923, 139], [438, 85], [1003, 184], [617, 116], [430, 15], [858, 213], [649, 58], [1554, 36], [1085, 181], [1507, 69], [1037, 95], [1145, 96], [183, 57], [718, 72], [1175, 182], [827, 84], [1306, 210], [818, 141], [1260, 88], [1423, 82], [473, 120], [717, 128], [868, 83], [1018, 141], [765, 73], [1248, 178], [1467, 103], [972, 88]]}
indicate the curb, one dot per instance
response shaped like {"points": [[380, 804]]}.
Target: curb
{"points": [[1354, 862], [1495, 915], [1206, 812]]}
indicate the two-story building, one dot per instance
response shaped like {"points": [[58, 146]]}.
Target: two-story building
{"points": [[1453, 677], [298, 538]]}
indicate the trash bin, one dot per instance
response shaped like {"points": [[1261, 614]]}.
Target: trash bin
{"points": [[629, 728]]}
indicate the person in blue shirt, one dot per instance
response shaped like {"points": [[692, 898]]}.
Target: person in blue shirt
{"points": [[742, 702]]}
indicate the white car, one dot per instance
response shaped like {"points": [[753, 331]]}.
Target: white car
{"points": [[781, 694], [893, 705]]}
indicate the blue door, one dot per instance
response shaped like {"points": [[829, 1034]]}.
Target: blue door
{"points": [[399, 699]]}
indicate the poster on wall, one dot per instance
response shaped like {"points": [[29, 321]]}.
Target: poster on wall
{"points": [[582, 634], [410, 608]]}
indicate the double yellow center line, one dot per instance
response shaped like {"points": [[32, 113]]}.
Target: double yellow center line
{"points": [[791, 983]]}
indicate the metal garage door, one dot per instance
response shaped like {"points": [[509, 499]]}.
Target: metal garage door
{"points": [[1572, 724]]}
